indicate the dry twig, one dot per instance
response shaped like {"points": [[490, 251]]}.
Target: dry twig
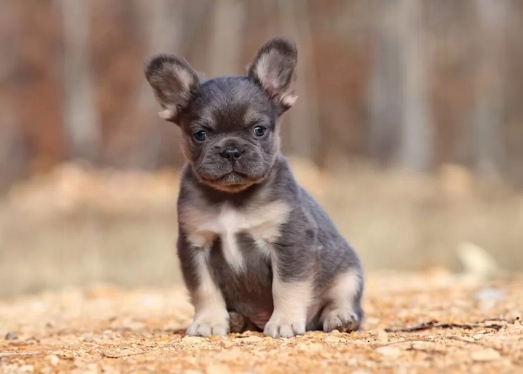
{"points": [[438, 325]]}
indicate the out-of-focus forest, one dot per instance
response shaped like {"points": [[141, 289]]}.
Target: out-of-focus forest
{"points": [[408, 129]]}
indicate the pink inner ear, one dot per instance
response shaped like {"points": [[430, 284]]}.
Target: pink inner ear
{"points": [[273, 85], [272, 82]]}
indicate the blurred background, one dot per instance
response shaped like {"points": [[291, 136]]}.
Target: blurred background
{"points": [[408, 129]]}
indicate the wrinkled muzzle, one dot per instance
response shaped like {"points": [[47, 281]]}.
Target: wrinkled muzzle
{"points": [[232, 161]]}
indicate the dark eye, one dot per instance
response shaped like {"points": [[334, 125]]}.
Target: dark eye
{"points": [[200, 135], [259, 131]]}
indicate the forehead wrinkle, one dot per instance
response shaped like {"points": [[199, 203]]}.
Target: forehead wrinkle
{"points": [[231, 114], [253, 100], [230, 103]]}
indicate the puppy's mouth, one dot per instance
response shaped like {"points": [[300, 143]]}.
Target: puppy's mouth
{"points": [[231, 177], [234, 177], [232, 181]]}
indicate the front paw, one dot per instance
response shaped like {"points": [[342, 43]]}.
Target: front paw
{"points": [[206, 326], [279, 327]]}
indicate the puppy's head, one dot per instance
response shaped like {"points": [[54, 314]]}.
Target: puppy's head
{"points": [[229, 124]]}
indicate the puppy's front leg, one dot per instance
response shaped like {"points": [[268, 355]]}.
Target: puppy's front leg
{"points": [[210, 311], [292, 290]]}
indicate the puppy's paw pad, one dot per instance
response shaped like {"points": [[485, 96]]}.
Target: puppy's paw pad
{"points": [[207, 328], [343, 320], [284, 330]]}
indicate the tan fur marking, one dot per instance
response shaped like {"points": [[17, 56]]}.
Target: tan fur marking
{"points": [[250, 116], [167, 114], [345, 288]]}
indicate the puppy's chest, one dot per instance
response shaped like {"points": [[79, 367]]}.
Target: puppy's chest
{"points": [[237, 234]]}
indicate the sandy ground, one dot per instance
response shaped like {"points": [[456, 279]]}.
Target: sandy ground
{"points": [[476, 328]]}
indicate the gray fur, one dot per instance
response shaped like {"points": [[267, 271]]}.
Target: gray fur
{"points": [[255, 303], [298, 243]]}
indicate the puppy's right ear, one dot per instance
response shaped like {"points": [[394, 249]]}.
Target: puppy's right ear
{"points": [[174, 83]]}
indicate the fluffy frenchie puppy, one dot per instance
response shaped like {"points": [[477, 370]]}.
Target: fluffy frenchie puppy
{"points": [[256, 250]]}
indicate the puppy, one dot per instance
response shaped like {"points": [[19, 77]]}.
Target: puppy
{"points": [[256, 250]]}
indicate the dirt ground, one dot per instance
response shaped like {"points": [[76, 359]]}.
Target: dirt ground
{"points": [[462, 325]]}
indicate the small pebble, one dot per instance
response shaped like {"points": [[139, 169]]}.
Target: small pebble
{"points": [[11, 336], [88, 339], [53, 359], [251, 339], [383, 337], [387, 351], [227, 344]]}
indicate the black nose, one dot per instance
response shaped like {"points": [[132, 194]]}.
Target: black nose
{"points": [[232, 153]]}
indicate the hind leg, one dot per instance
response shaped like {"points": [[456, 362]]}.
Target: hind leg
{"points": [[239, 323], [343, 309]]}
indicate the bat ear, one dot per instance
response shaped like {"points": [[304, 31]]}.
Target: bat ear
{"points": [[174, 83], [274, 69]]}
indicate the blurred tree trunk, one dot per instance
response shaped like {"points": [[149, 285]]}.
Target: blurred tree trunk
{"points": [[417, 136], [80, 118], [12, 147], [162, 23], [303, 117], [226, 37], [385, 83], [489, 101]]}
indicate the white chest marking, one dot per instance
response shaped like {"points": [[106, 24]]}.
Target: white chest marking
{"points": [[227, 224], [262, 224]]}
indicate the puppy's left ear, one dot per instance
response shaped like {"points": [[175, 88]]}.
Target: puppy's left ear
{"points": [[274, 69], [174, 83]]}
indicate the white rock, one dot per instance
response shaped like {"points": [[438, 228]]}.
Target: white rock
{"points": [[53, 359], [488, 354]]}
